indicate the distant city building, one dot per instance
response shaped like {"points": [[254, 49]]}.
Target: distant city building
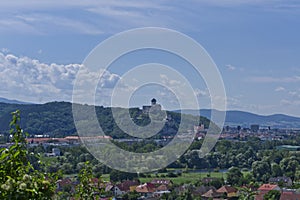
{"points": [[55, 152], [285, 181], [254, 128]]}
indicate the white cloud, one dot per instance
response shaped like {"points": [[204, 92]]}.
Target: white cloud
{"points": [[170, 82], [201, 93], [96, 17], [269, 79], [63, 24], [279, 89], [230, 67], [288, 102], [92, 17], [4, 50], [28, 79], [11, 25]]}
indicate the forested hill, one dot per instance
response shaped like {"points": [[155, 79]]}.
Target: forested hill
{"points": [[245, 119], [56, 119]]}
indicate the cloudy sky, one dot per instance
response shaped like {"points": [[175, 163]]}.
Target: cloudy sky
{"points": [[255, 45]]}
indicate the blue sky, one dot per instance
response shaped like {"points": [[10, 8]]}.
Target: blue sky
{"points": [[255, 44]]}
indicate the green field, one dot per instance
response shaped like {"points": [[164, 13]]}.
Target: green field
{"points": [[185, 177]]}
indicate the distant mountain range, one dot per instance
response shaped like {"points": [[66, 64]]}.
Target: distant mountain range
{"points": [[4, 100], [245, 119]]}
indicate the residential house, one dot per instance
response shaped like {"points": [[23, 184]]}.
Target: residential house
{"points": [[128, 185], [284, 181], [55, 152], [211, 194], [115, 190], [228, 190], [290, 195], [146, 189], [198, 191], [159, 182], [162, 188], [265, 188]]}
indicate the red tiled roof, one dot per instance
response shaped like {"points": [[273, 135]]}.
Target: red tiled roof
{"points": [[125, 185], [267, 187], [290, 196], [226, 189], [211, 194], [66, 139], [145, 188], [162, 188]]}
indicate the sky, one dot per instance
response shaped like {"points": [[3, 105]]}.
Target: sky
{"points": [[255, 45]]}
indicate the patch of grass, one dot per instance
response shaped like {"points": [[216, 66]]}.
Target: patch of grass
{"points": [[48, 160], [185, 177], [105, 177]]}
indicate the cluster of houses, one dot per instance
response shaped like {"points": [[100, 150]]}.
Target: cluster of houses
{"points": [[285, 194], [228, 192], [150, 190], [264, 134], [156, 188], [276, 183]]}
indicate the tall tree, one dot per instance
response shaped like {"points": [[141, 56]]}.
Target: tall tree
{"points": [[234, 175]]}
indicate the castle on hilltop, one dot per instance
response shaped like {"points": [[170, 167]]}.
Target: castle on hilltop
{"points": [[153, 107]]}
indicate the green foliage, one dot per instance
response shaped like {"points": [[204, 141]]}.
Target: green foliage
{"points": [[261, 170], [18, 178], [87, 189], [272, 195], [118, 176], [56, 119], [247, 193], [131, 196], [234, 175]]}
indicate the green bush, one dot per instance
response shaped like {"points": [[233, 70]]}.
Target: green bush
{"points": [[18, 178]]}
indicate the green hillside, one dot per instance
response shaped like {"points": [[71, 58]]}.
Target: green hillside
{"points": [[56, 119]]}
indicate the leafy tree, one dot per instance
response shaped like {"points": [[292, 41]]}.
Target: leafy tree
{"points": [[289, 166], [87, 189], [118, 176], [234, 175], [261, 170], [217, 183], [18, 178], [246, 193], [276, 170], [272, 195]]}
